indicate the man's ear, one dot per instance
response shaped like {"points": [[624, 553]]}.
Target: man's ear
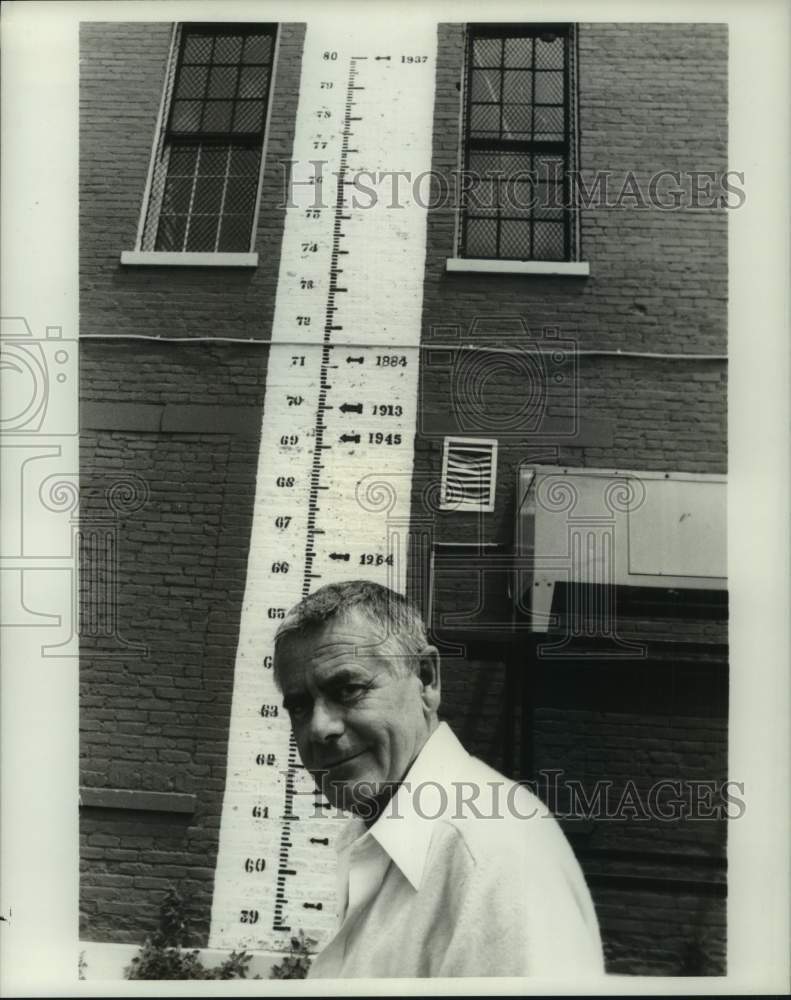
{"points": [[428, 672]]}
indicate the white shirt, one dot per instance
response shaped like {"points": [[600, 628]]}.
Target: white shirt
{"points": [[445, 884]]}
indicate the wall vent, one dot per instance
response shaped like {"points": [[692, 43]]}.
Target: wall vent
{"points": [[469, 474]]}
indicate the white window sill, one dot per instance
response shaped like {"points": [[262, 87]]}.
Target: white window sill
{"points": [[571, 268], [159, 258]]}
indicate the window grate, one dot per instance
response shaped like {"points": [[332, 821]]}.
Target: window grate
{"points": [[520, 143], [469, 473], [208, 157]]}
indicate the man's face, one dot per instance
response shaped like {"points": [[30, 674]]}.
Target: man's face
{"points": [[358, 714]]}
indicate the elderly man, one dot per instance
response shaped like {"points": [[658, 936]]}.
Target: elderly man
{"points": [[446, 867]]}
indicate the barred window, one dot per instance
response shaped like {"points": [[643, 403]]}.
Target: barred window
{"points": [[204, 183], [519, 143]]}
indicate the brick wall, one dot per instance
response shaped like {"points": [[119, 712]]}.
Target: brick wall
{"points": [[658, 885], [651, 98], [179, 422], [155, 720], [122, 76], [184, 419], [658, 281]]}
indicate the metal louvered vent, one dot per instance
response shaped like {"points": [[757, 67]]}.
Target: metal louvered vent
{"points": [[469, 474]]}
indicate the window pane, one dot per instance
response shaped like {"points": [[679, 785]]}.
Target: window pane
{"points": [[249, 116], [483, 194], [550, 51], [213, 161], [253, 80], [170, 235], [549, 124], [240, 195], [228, 49], [217, 116], [192, 81], [197, 48], [486, 85], [176, 199], [519, 197], [186, 116], [548, 241], [515, 239], [245, 161], [208, 195], [487, 51], [202, 233], [485, 118], [481, 238], [517, 121], [235, 233], [549, 88], [223, 81], [257, 48], [518, 86], [485, 169], [518, 53], [182, 161]]}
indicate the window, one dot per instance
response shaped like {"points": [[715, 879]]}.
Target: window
{"points": [[519, 143], [204, 183], [469, 473]]}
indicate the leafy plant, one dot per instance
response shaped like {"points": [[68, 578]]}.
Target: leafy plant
{"points": [[163, 954], [295, 965]]}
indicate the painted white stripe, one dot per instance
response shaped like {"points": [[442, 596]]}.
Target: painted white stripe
{"points": [[362, 506]]}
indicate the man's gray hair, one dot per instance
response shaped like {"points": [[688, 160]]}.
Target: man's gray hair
{"points": [[390, 612]]}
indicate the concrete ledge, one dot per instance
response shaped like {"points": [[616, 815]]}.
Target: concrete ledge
{"points": [[567, 268], [159, 258], [138, 801], [106, 960]]}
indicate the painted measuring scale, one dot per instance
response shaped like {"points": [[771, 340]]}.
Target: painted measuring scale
{"points": [[336, 451]]}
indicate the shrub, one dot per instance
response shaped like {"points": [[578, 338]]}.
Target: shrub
{"points": [[163, 954]]}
